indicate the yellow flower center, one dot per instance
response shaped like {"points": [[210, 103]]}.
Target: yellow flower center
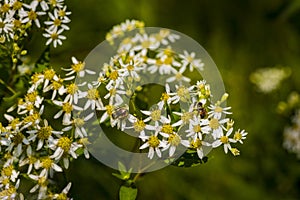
{"points": [[237, 136], [67, 107], [54, 36], [14, 123], [78, 122], [61, 13], [168, 60], [167, 128], [5, 8], [109, 109], [155, 115], [49, 74], [47, 163], [196, 143], [45, 132], [218, 109], [93, 94], [32, 15], [57, 22], [197, 128], [31, 97], [153, 141], [64, 143], [7, 171], [32, 118], [158, 62], [57, 84], [17, 5], [224, 139], [78, 67], [174, 140], [72, 88], [139, 125], [146, 44], [62, 196], [186, 117], [18, 138], [214, 123], [114, 75], [164, 96], [130, 67]]}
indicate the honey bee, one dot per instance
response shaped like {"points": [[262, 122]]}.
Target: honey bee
{"points": [[120, 113], [200, 109]]}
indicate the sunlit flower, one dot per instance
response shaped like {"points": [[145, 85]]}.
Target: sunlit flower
{"points": [[224, 140], [154, 144], [54, 36]]}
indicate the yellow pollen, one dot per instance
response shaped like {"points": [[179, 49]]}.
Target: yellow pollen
{"points": [[164, 96], [61, 13], [114, 75], [237, 136], [130, 67], [146, 44], [18, 138], [17, 5], [158, 62], [109, 109], [49, 74], [197, 128], [72, 88], [93, 94], [78, 67], [168, 60], [174, 140], [67, 107], [32, 15], [196, 143], [153, 141], [57, 84], [47, 163], [64, 143], [31, 97], [167, 128], [224, 139], [139, 125], [218, 109], [5, 8], [155, 115], [78, 122], [214, 123], [45, 132], [57, 22], [62, 196], [7, 171], [54, 36], [186, 117]]}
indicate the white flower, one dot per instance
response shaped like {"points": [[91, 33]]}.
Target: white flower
{"points": [[154, 144], [198, 144], [189, 59], [54, 36], [174, 140], [182, 94], [146, 43], [32, 15], [93, 99], [216, 111], [42, 133], [66, 108], [217, 126], [155, 114], [197, 127], [225, 140], [79, 122], [78, 67], [178, 77], [64, 192], [56, 21], [239, 136]]}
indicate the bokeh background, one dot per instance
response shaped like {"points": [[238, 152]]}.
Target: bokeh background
{"points": [[241, 36]]}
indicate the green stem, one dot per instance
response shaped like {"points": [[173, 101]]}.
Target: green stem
{"points": [[8, 87]]}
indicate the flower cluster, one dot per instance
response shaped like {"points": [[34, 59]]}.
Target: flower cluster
{"points": [[18, 17], [269, 79], [46, 129], [183, 116]]}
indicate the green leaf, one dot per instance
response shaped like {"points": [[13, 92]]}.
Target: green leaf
{"points": [[189, 159], [127, 193]]}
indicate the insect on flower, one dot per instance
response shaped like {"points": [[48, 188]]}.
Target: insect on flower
{"points": [[120, 113], [200, 109]]}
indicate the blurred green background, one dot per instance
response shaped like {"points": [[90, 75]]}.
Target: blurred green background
{"points": [[240, 36]]}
